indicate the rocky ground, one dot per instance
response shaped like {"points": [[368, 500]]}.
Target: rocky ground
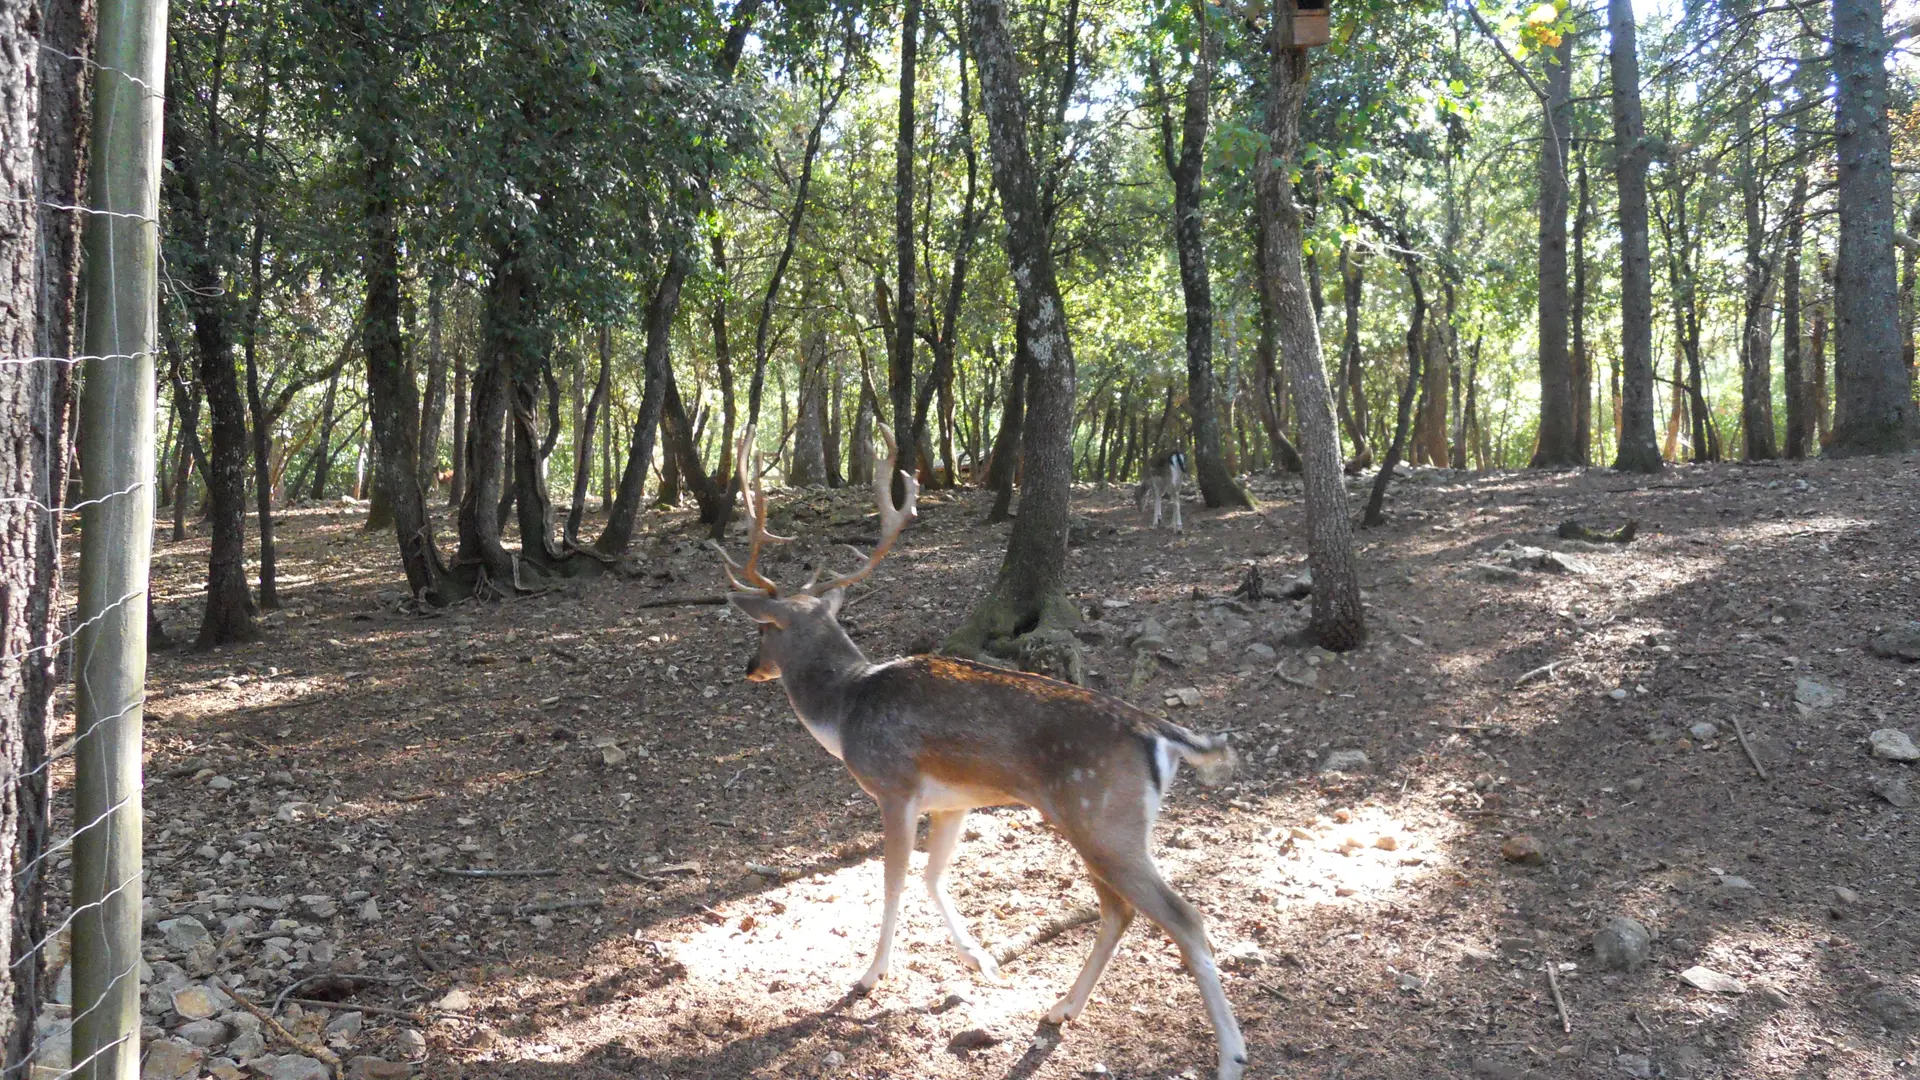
{"points": [[1524, 832]]}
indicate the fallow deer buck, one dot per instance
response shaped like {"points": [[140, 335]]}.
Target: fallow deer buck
{"points": [[939, 736], [1165, 473]]}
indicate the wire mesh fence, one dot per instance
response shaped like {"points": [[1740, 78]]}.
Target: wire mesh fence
{"points": [[77, 849]]}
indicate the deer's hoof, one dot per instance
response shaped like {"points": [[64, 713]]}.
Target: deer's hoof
{"points": [[1061, 1012], [871, 979]]}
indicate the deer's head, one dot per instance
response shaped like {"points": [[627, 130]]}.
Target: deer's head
{"points": [[798, 625]]}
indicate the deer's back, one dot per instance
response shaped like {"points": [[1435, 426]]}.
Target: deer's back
{"points": [[1026, 737]]}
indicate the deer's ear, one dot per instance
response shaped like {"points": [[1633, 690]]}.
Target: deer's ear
{"points": [[833, 599], [761, 608]]}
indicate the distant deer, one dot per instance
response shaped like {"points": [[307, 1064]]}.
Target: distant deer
{"points": [[1165, 473], [939, 736]]}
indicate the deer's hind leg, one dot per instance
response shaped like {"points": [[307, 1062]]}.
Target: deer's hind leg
{"points": [[1140, 882], [1116, 914]]}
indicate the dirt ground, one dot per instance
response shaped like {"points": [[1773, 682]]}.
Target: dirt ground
{"points": [[715, 885]]}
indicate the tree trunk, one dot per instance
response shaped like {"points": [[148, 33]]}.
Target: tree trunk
{"points": [[1639, 451], [1184, 160], [1353, 392], [1558, 447], [1029, 595], [43, 143], [262, 429], [900, 352], [1580, 363], [1416, 348], [583, 435], [457, 485], [1005, 461], [1270, 385], [392, 401], [1793, 368], [1338, 621], [1756, 324], [486, 450], [229, 608], [434, 409], [809, 433], [1873, 398]]}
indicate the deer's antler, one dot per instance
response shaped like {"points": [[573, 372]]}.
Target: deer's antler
{"points": [[748, 578], [893, 519]]}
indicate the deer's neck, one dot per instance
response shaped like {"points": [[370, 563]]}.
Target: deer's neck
{"points": [[819, 690]]}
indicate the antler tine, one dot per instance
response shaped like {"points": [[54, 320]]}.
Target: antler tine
{"points": [[748, 578], [893, 519]]}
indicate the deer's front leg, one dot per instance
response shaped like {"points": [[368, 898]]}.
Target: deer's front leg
{"points": [[897, 819]]}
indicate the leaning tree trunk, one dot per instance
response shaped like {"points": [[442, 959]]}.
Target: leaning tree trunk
{"points": [[1639, 447], [1338, 620], [262, 433], [1184, 164], [1557, 442], [1029, 595], [1873, 411]]}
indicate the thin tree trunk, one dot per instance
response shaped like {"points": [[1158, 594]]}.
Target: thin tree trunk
{"points": [[1793, 367], [1580, 364], [434, 409], [1416, 348], [584, 428], [262, 428], [1338, 621], [1756, 324], [1557, 447], [900, 354], [1638, 451], [457, 485], [1184, 159], [1353, 393]]}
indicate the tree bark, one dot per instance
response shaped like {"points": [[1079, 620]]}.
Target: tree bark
{"points": [[1185, 160], [1580, 363], [1639, 450], [228, 616], [1030, 592], [900, 355], [1353, 391], [1338, 621], [1416, 348], [46, 81], [1793, 367], [1557, 447], [392, 401], [1270, 385], [262, 428], [457, 486], [1756, 324], [434, 409], [1873, 411], [583, 435]]}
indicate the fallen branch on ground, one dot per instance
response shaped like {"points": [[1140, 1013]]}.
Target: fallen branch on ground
{"points": [[313, 1050], [1046, 931], [452, 872]]}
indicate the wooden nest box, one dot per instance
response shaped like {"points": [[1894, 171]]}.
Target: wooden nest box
{"points": [[1310, 26]]}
